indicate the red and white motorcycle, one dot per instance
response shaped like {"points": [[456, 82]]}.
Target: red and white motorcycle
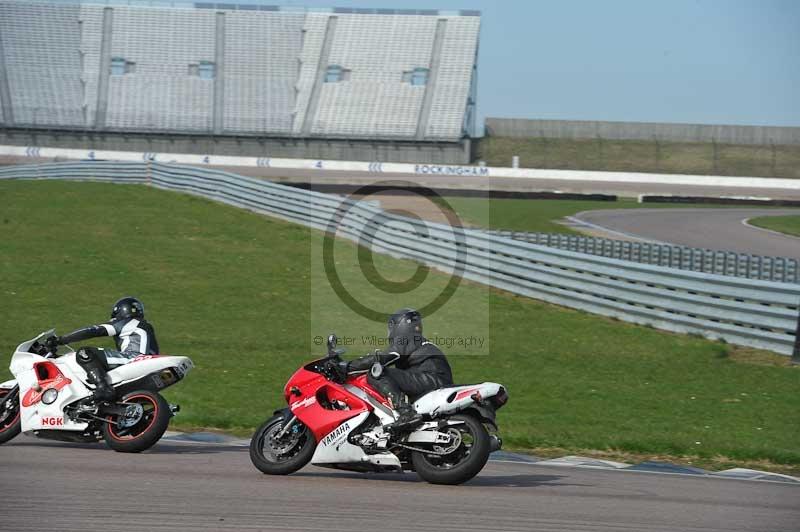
{"points": [[339, 421], [51, 398]]}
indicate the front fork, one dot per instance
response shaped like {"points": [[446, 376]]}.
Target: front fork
{"points": [[8, 402], [286, 427]]}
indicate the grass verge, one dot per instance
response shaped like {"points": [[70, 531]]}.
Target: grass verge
{"points": [[541, 216], [789, 225], [240, 294]]}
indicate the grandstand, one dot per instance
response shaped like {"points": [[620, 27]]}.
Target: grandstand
{"points": [[347, 83]]}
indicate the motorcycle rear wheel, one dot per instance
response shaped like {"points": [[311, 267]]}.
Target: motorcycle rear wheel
{"points": [[146, 431], [281, 456], [11, 423], [462, 463]]}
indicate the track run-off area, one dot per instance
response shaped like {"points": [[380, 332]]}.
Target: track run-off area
{"points": [[197, 486], [724, 229]]}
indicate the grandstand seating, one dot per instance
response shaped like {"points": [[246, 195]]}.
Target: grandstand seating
{"points": [[42, 62], [455, 76], [233, 69], [160, 93], [261, 63], [377, 50]]}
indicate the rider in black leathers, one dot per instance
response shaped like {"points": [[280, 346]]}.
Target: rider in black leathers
{"points": [[419, 366], [133, 336]]}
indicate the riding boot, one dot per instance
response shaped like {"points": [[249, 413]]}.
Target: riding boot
{"points": [[408, 418], [89, 359], [103, 391]]}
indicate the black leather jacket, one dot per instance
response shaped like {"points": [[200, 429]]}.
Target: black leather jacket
{"points": [[427, 358]]}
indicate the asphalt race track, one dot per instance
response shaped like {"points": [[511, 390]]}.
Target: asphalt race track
{"points": [[195, 486], [704, 228]]}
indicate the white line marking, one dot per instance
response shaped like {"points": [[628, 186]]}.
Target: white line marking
{"points": [[638, 238]]}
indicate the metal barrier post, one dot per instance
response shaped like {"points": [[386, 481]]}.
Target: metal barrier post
{"points": [[796, 350]]}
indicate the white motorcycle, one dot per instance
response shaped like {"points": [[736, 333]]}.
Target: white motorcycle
{"points": [[52, 399]]}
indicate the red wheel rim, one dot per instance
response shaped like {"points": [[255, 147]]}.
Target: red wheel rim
{"points": [[5, 426]]}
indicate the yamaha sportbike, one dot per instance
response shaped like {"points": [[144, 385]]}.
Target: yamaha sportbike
{"points": [[336, 419], [51, 398]]}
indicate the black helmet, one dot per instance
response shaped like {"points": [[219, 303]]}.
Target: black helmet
{"points": [[127, 307], [405, 331]]}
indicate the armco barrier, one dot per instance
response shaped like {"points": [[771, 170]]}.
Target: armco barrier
{"points": [[422, 170], [778, 269], [742, 311]]}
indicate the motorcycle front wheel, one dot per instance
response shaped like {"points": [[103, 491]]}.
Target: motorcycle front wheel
{"points": [[277, 452], [459, 461], [143, 427], [10, 421]]}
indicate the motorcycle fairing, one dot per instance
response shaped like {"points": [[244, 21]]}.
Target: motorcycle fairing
{"points": [[384, 413], [454, 398], [144, 365], [49, 377], [323, 421], [25, 347], [38, 415], [335, 449]]}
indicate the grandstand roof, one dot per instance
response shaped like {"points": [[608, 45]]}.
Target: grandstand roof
{"points": [[258, 5]]}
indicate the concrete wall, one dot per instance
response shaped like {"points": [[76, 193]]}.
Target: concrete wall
{"points": [[290, 148], [575, 129]]}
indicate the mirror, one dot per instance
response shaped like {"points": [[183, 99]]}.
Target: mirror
{"points": [[332, 341]]}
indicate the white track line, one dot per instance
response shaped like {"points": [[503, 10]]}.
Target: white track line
{"points": [[638, 238]]}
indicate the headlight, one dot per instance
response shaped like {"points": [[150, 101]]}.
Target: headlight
{"points": [[49, 396]]}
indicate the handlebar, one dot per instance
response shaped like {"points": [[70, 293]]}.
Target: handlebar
{"points": [[332, 369]]}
